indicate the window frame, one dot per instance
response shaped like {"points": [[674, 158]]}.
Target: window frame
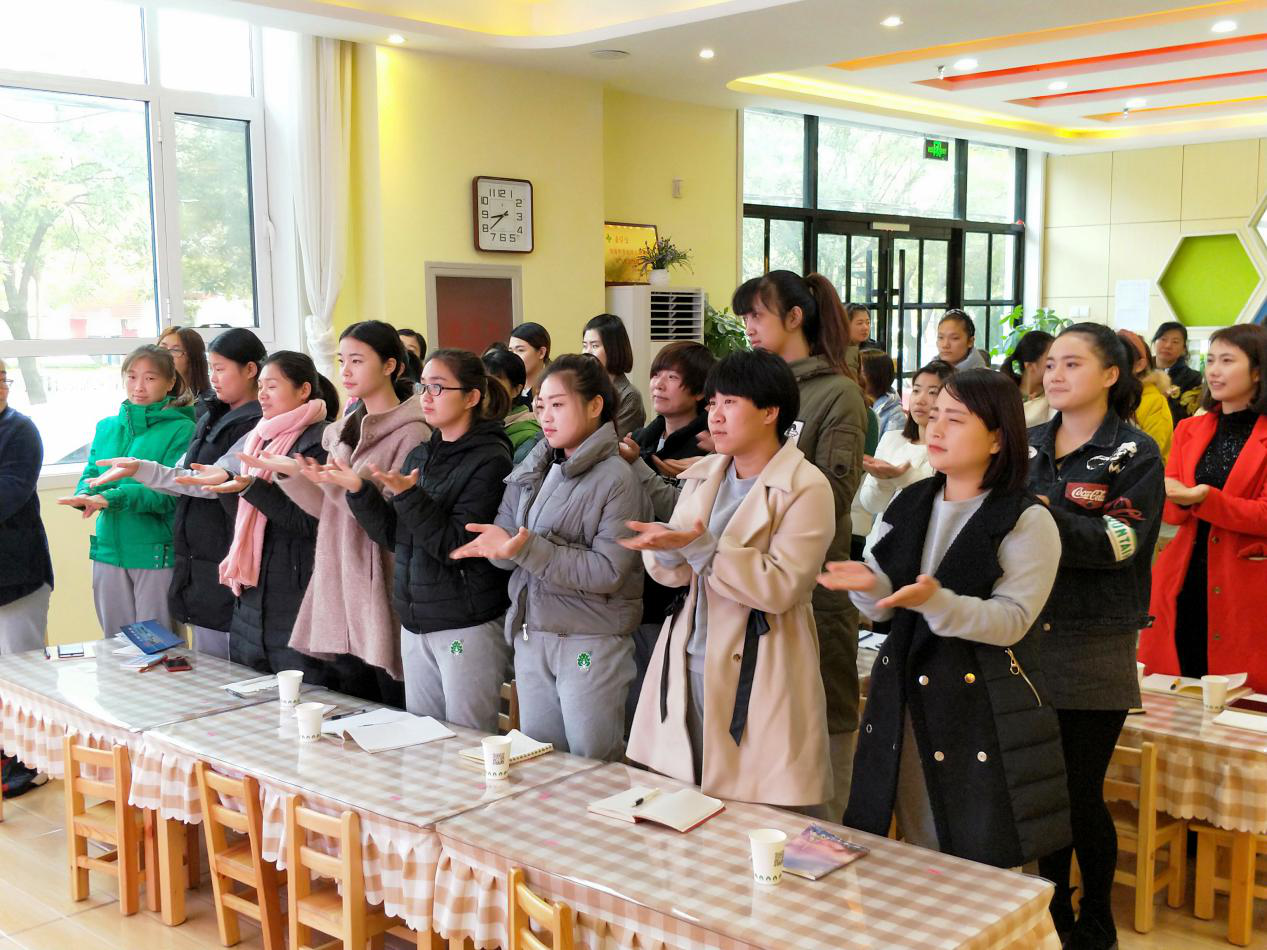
{"points": [[820, 220]]}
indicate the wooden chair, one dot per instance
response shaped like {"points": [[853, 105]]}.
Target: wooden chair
{"points": [[241, 860], [345, 916], [111, 821], [510, 718], [525, 908], [1210, 878], [1143, 831]]}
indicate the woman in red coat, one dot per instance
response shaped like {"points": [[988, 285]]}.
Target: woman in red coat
{"points": [[1208, 584]]}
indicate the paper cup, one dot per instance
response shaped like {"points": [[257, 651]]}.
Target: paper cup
{"points": [[1214, 692], [288, 683], [767, 855], [308, 718], [1139, 673], [496, 757]]}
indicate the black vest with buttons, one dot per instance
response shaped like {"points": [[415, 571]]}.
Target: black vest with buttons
{"points": [[988, 741]]}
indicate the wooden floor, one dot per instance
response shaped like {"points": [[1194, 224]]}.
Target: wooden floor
{"points": [[36, 912]]}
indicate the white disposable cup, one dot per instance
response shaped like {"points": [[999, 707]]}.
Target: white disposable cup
{"points": [[1139, 673], [496, 757], [308, 717], [1214, 692], [288, 683], [767, 855]]}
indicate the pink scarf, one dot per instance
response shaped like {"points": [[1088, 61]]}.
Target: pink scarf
{"points": [[241, 566]]}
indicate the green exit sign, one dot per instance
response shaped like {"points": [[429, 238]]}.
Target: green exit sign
{"points": [[937, 149]]}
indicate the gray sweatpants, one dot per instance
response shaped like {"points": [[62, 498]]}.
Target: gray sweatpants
{"points": [[211, 642], [125, 595], [24, 622], [457, 675], [572, 691]]}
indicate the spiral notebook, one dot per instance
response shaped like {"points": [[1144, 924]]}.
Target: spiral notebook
{"points": [[522, 748]]}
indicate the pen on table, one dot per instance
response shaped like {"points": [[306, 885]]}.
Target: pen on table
{"points": [[638, 802], [150, 665], [1176, 684], [350, 712]]}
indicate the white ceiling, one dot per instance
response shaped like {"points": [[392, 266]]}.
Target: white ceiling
{"points": [[798, 39]]}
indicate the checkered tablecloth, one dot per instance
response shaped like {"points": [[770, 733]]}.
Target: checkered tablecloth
{"points": [[41, 700], [644, 886], [1213, 773], [399, 794]]}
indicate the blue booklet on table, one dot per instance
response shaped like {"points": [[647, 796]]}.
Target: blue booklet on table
{"points": [[152, 637]]}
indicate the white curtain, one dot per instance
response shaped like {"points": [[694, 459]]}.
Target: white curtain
{"points": [[320, 172]]}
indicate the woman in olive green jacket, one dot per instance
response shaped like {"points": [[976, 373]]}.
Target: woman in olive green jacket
{"points": [[131, 551], [803, 320]]}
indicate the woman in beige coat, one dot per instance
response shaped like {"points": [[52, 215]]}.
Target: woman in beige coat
{"points": [[733, 699]]}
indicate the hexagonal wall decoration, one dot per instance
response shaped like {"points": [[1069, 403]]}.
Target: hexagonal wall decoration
{"points": [[1209, 280], [1258, 241]]}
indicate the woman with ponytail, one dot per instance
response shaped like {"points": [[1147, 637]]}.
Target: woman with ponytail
{"points": [[346, 617], [452, 641], [1101, 478], [802, 320]]}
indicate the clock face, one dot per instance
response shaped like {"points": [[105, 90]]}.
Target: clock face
{"points": [[503, 214]]}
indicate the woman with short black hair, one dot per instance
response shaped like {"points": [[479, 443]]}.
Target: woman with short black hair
{"points": [[607, 340]]}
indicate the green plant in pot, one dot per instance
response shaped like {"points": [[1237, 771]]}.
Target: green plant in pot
{"points": [[656, 259], [1013, 326], [723, 332]]}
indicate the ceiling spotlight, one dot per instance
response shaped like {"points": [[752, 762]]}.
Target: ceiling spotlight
{"points": [[395, 39], [1058, 86], [706, 53], [1223, 26], [965, 65], [1136, 103], [891, 21], [609, 53]]}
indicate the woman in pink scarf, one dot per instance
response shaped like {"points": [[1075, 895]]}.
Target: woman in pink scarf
{"points": [[270, 560]]}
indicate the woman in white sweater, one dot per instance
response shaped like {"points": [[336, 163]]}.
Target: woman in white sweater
{"points": [[901, 458]]}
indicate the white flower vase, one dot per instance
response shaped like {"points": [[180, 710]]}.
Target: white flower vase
{"points": [[658, 277]]}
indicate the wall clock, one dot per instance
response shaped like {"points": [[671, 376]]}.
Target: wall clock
{"points": [[502, 210]]}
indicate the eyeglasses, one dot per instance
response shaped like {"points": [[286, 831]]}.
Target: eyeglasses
{"points": [[4, 380], [436, 389]]}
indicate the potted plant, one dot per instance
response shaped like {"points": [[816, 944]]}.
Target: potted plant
{"points": [[1012, 327], [656, 259], [723, 332]]}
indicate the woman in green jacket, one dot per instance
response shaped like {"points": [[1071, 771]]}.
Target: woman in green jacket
{"points": [[132, 550]]}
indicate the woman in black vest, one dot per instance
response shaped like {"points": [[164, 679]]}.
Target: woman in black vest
{"points": [[201, 529], [1104, 483], [958, 736]]}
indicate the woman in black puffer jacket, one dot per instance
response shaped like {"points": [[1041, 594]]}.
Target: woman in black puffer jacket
{"points": [[453, 645]]}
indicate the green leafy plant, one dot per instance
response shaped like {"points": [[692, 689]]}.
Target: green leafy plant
{"points": [[1012, 327], [723, 332], [662, 255]]}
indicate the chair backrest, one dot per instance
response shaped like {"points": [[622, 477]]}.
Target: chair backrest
{"points": [[1142, 792], [115, 759], [510, 718], [214, 789], [527, 908], [301, 857]]}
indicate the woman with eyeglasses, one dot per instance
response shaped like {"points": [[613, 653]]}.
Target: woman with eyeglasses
{"points": [[189, 353]]}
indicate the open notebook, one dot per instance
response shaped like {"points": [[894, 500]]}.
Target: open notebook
{"points": [[522, 748], [1189, 687], [383, 729], [681, 810]]}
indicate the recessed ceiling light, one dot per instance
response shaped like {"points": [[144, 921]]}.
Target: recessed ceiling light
{"points": [[1058, 85], [891, 21], [706, 53], [395, 39], [964, 65], [609, 53], [1136, 103], [1223, 26]]}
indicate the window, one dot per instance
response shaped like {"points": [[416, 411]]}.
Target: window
{"points": [[991, 183], [989, 275], [876, 171], [774, 158], [131, 196]]}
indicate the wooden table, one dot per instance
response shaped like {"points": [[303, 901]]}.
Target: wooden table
{"points": [[399, 795], [650, 884], [1212, 773]]}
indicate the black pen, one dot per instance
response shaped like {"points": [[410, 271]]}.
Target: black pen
{"points": [[350, 712], [638, 802]]}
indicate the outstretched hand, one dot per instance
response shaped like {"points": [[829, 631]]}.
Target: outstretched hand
{"points": [[847, 575], [912, 595], [492, 542], [116, 470], [88, 504], [272, 462], [205, 476], [396, 482], [653, 536]]}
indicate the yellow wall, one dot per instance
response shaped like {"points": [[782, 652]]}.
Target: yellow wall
{"points": [[649, 142], [1114, 216], [71, 616]]}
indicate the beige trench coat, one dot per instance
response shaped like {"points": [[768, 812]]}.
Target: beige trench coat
{"points": [[767, 559]]}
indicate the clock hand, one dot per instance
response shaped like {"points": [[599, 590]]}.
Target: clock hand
{"points": [[497, 220]]}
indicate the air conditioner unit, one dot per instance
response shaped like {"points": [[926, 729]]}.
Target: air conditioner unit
{"points": [[655, 317]]}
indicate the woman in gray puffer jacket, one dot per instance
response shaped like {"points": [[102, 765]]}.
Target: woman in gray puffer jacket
{"points": [[576, 594]]}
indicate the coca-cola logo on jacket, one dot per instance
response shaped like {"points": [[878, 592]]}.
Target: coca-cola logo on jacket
{"points": [[1087, 494]]}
